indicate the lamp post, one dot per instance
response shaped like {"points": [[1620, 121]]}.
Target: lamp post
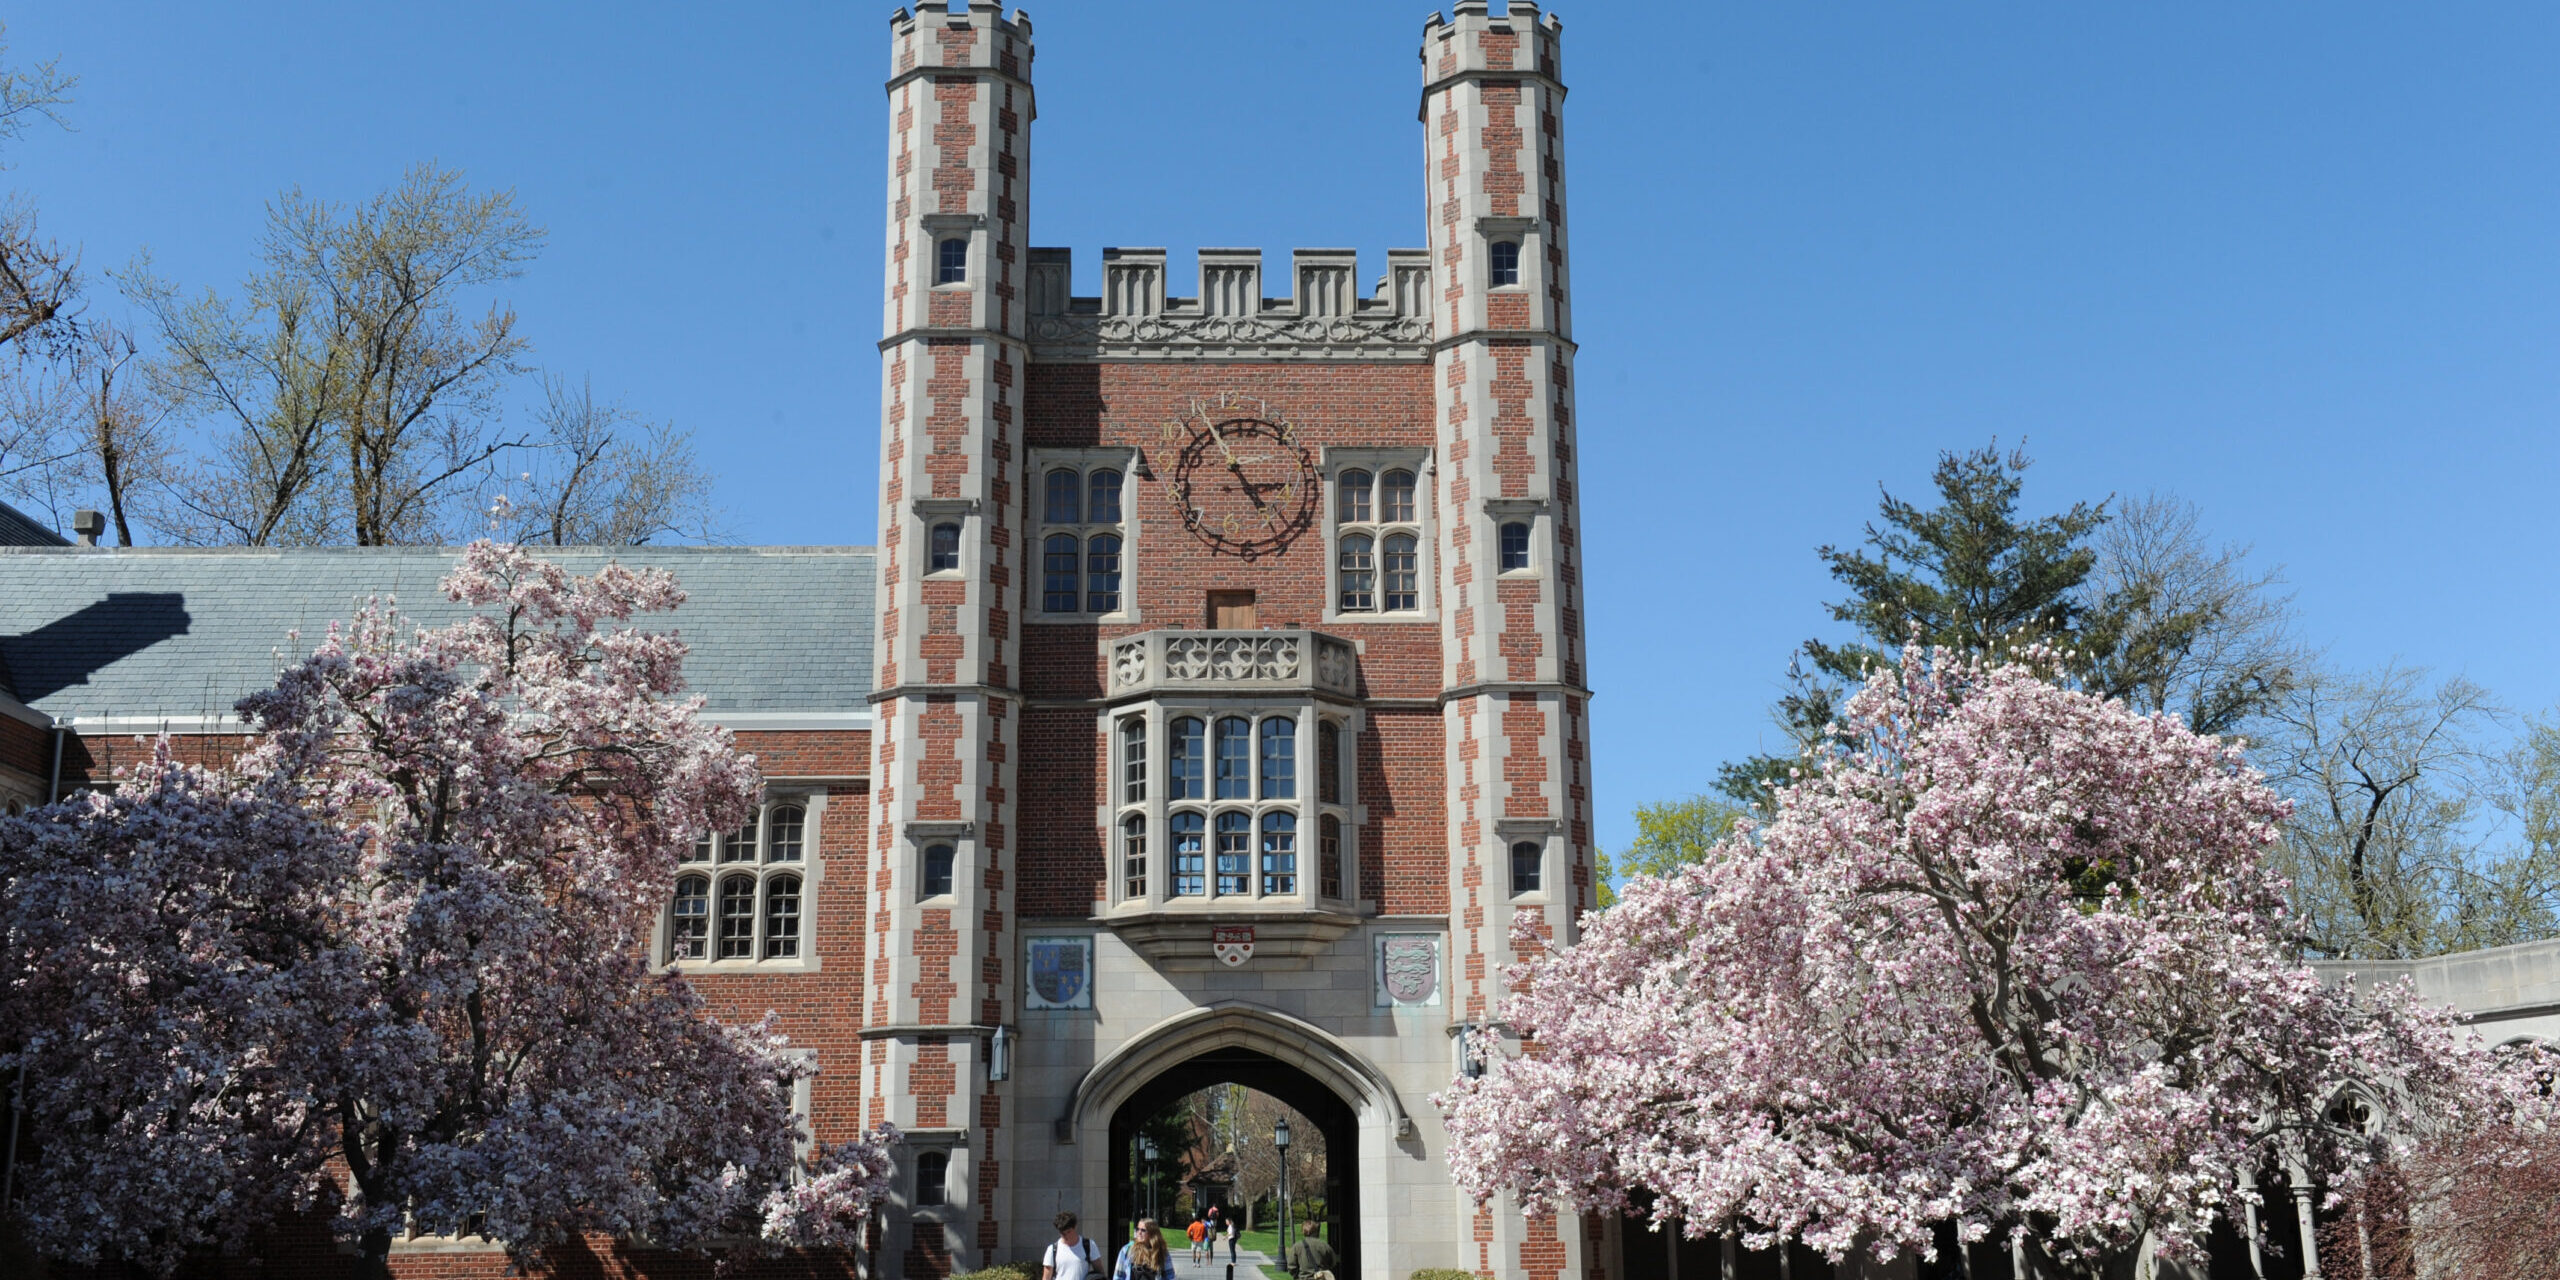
{"points": [[1280, 1143], [1147, 1151]]}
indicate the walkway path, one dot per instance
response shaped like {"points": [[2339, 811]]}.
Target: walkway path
{"points": [[1248, 1266]]}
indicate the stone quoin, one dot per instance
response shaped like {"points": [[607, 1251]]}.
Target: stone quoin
{"points": [[1212, 705]]}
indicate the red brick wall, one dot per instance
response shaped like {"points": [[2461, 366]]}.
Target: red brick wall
{"points": [[1403, 863]]}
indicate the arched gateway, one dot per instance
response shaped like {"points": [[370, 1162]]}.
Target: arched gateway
{"points": [[1351, 1101]]}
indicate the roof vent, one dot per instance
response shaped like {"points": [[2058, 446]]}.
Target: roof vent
{"points": [[88, 524]]}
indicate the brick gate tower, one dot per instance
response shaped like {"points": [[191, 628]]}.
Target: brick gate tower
{"points": [[1229, 702], [947, 702]]}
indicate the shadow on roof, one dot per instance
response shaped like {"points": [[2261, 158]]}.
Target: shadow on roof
{"points": [[68, 650]]}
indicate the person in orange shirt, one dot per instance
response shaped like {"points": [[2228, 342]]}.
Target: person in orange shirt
{"points": [[1199, 1238]]}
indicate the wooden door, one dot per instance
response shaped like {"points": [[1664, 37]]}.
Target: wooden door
{"points": [[1231, 611]]}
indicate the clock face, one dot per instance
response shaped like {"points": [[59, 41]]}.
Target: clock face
{"points": [[1239, 477]]}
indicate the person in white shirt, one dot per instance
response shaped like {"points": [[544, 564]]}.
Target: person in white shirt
{"points": [[1070, 1256]]}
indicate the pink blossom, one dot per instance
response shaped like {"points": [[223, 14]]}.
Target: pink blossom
{"points": [[2017, 960], [406, 929]]}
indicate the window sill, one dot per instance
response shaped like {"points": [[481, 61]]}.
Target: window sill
{"points": [[1125, 616], [1406, 616], [726, 968]]}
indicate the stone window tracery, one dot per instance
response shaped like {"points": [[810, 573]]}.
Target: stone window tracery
{"points": [[1084, 547], [1378, 539], [739, 894], [1233, 806]]}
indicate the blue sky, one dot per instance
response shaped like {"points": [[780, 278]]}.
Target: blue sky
{"points": [[2300, 264]]}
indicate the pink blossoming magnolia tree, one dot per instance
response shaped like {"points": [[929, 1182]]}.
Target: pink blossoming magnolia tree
{"points": [[2014, 964], [406, 931]]}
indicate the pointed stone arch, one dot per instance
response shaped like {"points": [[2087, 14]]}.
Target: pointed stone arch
{"points": [[1231, 1024]]}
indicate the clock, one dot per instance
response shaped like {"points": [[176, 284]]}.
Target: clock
{"points": [[1240, 478]]}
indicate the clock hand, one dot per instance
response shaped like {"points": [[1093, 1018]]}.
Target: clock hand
{"points": [[1221, 438]]}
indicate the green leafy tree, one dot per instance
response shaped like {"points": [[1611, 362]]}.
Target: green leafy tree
{"points": [[1967, 575], [1669, 835], [2142, 605]]}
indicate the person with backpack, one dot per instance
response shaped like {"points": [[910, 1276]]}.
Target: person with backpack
{"points": [[1144, 1257], [1231, 1241], [1070, 1256], [1311, 1256]]}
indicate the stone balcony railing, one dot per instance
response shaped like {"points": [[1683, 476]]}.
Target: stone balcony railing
{"points": [[1233, 662]]}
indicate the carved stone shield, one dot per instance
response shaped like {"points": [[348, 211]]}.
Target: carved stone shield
{"points": [[1232, 944], [1409, 966], [1061, 971]]}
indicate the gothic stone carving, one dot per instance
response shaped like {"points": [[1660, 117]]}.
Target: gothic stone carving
{"points": [[1176, 337]]}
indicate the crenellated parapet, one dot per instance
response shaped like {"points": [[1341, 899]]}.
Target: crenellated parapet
{"points": [[1324, 316], [933, 39], [1473, 42]]}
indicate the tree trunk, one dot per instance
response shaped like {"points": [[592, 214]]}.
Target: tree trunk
{"points": [[373, 1255]]}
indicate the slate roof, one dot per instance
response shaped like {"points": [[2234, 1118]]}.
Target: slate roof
{"points": [[127, 633], [18, 529]]}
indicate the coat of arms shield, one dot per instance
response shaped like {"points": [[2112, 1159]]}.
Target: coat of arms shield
{"points": [[1232, 944], [1409, 967], [1061, 972]]}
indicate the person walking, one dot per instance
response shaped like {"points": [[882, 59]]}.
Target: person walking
{"points": [[1311, 1256], [1199, 1233], [1144, 1257], [1070, 1256], [1231, 1241]]}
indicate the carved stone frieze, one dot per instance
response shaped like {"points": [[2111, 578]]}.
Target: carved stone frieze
{"points": [[1069, 338], [1232, 660]]}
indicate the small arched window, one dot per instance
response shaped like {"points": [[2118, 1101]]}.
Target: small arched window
{"points": [[1058, 576], [1235, 852], [945, 549], [933, 1177], [1502, 262], [1359, 574], [1280, 853], [951, 262], [783, 831], [1102, 573], [1328, 762], [781, 917], [1102, 505], [1235, 758], [1279, 758], [689, 932], [1395, 497], [1515, 546], [1528, 867], [1060, 505], [1133, 857], [1190, 863], [1351, 498], [1403, 577], [739, 845], [1186, 768], [738, 918], [936, 881], [1329, 857]]}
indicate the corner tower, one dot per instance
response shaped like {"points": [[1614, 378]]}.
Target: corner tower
{"points": [[946, 694], [1514, 696]]}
